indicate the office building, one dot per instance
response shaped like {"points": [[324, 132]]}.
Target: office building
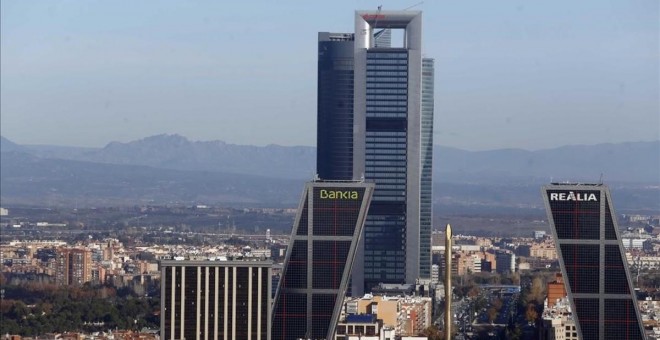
{"points": [[73, 266], [556, 290], [592, 260], [319, 259], [363, 325], [375, 122], [215, 300], [558, 322], [406, 315], [505, 261]]}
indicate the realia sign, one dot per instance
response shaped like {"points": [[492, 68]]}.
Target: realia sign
{"points": [[573, 196]]}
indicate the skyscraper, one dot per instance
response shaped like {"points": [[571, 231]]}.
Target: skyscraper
{"points": [[319, 259], [593, 261], [384, 136], [214, 300]]}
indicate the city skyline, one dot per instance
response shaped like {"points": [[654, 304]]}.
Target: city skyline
{"points": [[88, 75]]}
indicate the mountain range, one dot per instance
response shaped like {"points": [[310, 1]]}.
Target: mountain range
{"points": [[171, 169]]}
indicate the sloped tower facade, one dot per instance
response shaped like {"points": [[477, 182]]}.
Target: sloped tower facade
{"points": [[319, 259], [593, 261]]}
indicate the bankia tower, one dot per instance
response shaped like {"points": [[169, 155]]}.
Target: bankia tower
{"points": [[593, 261], [375, 122], [319, 259]]}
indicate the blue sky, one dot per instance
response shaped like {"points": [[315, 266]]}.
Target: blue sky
{"points": [[509, 74]]}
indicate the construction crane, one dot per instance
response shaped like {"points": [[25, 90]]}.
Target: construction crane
{"points": [[415, 5]]}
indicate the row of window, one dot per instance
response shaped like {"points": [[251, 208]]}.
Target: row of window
{"points": [[380, 144], [386, 163], [387, 61], [387, 73], [375, 175], [387, 91], [387, 102], [387, 67], [342, 62], [385, 157], [389, 98], [389, 199], [379, 269], [386, 115], [385, 152], [384, 168], [387, 109], [374, 85], [386, 55], [391, 187], [385, 222], [386, 134], [387, 80], [390, 181]]}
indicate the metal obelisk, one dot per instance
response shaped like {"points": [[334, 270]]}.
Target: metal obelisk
{"points": [[448, 282]]}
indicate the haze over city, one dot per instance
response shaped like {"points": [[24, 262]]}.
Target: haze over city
{"points": [[509, 74]]}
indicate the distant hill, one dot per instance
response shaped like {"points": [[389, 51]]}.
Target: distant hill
{"points": [[56, 151], [637, 162], [29, 180], [170, 169], [8, 146], [177, 152]]}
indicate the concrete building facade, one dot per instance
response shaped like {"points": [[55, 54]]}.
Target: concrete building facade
{"points": [[214, 300]]}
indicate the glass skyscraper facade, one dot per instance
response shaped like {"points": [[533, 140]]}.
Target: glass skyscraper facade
{"points": [[426, 185], [335, 106], [391, 139], [319, 259], [386, 165], [593, 261]]}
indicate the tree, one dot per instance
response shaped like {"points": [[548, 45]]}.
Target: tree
{"points": [[492, 314], [497, 304], [474, 291], [537, 291], [531, 314], [514, 333], [433, 333]]}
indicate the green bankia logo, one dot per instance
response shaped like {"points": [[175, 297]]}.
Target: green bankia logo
{"points": [[338, 194]]}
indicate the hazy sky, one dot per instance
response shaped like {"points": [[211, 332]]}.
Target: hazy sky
{"points": [[522, 74]]}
